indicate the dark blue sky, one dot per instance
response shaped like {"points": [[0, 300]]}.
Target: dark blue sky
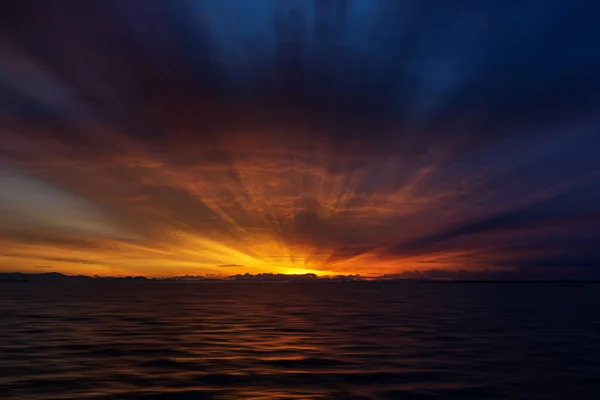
{"points": [[358, 136]]}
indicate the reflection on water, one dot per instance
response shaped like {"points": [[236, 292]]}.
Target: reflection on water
{"points": [[148, 340]]}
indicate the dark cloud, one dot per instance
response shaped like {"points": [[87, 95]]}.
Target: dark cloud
{"points": [[355, 136]]}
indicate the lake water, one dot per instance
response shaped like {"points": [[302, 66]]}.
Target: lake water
{"points": [[150, 340]]}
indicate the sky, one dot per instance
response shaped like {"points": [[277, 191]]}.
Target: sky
{"points": [[379, 138]]}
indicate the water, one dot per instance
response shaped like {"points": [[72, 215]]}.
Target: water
{"points": [[149, 340]]}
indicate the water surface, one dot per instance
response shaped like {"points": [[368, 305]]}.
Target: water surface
{"points": [[150, 340]]}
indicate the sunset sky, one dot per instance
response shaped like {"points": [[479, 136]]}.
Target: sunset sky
{"points": [[165, 138]]}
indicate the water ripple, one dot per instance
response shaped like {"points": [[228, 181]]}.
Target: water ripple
{"points": [[298, 341]]}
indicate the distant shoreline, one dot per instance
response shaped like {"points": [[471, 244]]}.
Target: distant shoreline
{"points": [[53, 277]]}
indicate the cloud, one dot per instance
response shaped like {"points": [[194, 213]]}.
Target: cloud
{"points": [[29, 204], [367, 137]]}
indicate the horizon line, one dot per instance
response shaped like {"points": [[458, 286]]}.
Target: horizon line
{"points": [[283, 278]]}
